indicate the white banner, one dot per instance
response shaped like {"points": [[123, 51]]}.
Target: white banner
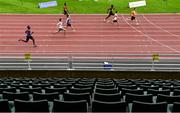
{"points": [[137, 4], [48, 4]]}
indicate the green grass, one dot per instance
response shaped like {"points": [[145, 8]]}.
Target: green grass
{"points": [[87, 6]]}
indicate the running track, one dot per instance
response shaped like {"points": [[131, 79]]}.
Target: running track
{"points": [[155, 34]]}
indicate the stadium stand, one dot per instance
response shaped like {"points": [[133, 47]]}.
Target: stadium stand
{"points": [[89, 98]]}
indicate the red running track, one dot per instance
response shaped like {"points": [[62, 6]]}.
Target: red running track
{"points": [[154, 34]]}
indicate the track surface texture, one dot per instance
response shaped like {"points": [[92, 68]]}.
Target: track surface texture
{"points": [[159, 33]]}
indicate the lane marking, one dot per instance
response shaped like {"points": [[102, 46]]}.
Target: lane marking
{"points": [[69, 41], [177, 36], [150, 37], [127, 53], [96, 31], [84, 45]]}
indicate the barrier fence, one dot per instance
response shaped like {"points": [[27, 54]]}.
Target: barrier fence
{"points": [[91, 61]]}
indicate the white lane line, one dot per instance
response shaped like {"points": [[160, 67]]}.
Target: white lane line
{"points": [[80, 45], [82, 27], [150, 37], [87, 35], [12, 14], [80, 23], [177, 36], [104, 40], [84, 35], [96, 31], [2, 21], [79, 31], [76, 20], [146, 40], [53, 58], [79, 16], [128, 53]]}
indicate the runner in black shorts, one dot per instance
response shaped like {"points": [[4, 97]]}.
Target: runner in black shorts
{"points": [[29, 36], [110, 11], [65, 9], [69, 22], [115, 18], [133, 16]]}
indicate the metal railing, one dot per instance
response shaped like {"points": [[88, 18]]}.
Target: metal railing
{"points": [[91, 61]]}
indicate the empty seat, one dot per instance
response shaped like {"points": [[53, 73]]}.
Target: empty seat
{"points": [[70, 80], [31, 106], [125, 83], [87, 79], [106, 91], [132, 91], [161, 83], [105, 86], [98, 106], [177, 85], [149, 107], [171, 88], [12, 89], [70, 106], [81, 90], [127, 86], [4, 106], [139, 83], [156, 92], [146, 87], [47, 96], [86, 82], [67, 85], [176, 107], [49, 82], [12, 96], [17, 86], [3, 85], [30, 90], [76, 97], [67, 82], [84, 86], [135, 97], [59, 90], [176, 92], [105, 83], [41, 85], [167, 98], [107, 80], [108, 97]]}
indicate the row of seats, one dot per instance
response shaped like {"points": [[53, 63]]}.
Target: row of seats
{"points": [[89, 80], [103, 86], [81, 106], [116, 97], [99, 94], [91, 90]]}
